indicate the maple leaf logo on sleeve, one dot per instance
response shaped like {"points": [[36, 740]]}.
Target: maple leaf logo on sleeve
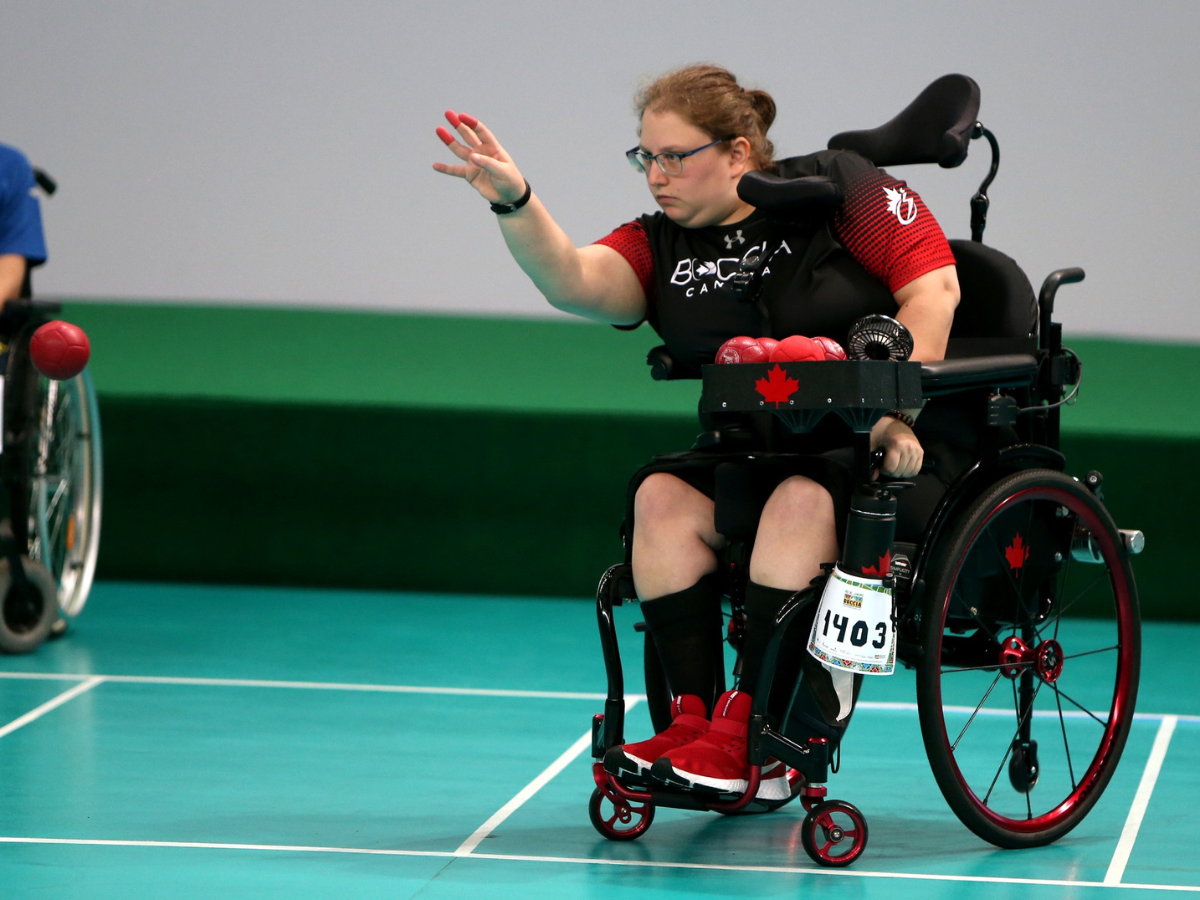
{"points": [[1016, 553], [777, 387]]}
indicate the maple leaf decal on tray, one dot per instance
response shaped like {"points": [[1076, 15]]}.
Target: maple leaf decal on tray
{"points": [[1016, 553], [777, 387]]}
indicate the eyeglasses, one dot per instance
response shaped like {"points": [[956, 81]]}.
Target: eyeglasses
{"points": [[668, 163]]}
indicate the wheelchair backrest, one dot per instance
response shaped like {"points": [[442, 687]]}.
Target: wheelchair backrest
{"points": [[998, 310]]}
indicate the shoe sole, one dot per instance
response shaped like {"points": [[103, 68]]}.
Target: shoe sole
{"points": [[618, 762], [769, 789]]}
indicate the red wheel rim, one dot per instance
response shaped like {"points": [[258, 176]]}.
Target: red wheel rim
{"points": [[837, 835], [1046, 659]]}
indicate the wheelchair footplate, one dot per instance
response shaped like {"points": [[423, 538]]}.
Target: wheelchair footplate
{"points": [[834, 833], [621, 807]]}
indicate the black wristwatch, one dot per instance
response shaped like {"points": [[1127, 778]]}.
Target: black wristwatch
{"points": [[503, 209]]}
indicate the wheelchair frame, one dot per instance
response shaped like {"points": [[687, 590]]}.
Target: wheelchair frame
{"points": [[939, 632], [51, 469]]}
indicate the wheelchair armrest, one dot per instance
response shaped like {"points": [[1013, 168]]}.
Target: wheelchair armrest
{"points": [[950, 375], [664, 366], [775, 193]]}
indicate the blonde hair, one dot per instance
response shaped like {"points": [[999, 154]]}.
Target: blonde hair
{"points": [[710, 98]]}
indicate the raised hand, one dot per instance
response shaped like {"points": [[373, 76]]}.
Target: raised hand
{"points": [[487, 167]]}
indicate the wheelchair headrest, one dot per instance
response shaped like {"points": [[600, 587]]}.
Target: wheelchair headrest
{"points": [[936, 127]]}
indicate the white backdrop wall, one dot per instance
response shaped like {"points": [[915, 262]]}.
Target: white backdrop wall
{"points": [[278, 151]]}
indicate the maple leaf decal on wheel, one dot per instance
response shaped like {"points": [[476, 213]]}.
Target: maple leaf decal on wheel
{"points": [[1016, 553], [777, 387], [885, 566]]}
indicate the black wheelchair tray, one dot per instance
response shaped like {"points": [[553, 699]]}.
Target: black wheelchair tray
{"points": [[803, 393]]}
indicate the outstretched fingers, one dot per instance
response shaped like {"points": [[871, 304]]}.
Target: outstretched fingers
{"points": [[447, 169], [487, 166], [465, 130]]}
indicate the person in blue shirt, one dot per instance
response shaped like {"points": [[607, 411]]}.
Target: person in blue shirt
{"points": [[22, 244]]}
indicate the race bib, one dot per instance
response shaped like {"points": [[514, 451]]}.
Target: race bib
{"points": [[853, 629]]}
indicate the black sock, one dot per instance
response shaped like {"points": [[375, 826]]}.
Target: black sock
{"points": [[762, 604], [687, 630]]}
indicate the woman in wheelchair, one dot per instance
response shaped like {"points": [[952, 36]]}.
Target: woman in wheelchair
{"points": [[879, 251]]}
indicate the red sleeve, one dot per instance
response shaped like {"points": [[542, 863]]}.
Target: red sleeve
{"points": [[631, 242], [889, 230]]}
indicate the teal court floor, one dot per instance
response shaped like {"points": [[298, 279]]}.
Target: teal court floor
{"points": [[186, 741]]}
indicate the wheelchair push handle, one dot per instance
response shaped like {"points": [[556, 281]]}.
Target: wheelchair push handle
{"points": [[1050, 286]]}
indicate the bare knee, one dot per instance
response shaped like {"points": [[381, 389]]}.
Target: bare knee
{"points": [[796, 535], [666, 502], [798, 500], [674, 539]]}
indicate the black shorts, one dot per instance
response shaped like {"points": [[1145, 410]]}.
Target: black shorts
{"points": [[748, 479]]}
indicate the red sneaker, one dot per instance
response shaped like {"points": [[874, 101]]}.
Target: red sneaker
{"points": [[716, 760], [688, 721]]}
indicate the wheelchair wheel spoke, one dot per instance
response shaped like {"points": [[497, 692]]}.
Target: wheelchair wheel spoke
{"points": [[974, 614], [1012, 582], [1092, 652], [1060, 592], [1021, 611], [1066, 744], [1016, 734], [1080, 706], [978, 707], [1079, 596], [987, 667]]}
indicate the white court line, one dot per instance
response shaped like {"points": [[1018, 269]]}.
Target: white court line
{"points": [[585, 861], [315, 686], [206, 845], [69, 694], [468, 846], [502, 692], [1116, 868]]}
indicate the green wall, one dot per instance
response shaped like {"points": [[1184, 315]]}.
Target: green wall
{"points": [[488, 455]]}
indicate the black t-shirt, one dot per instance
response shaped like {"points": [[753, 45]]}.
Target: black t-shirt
{"points": [[821, 275]]}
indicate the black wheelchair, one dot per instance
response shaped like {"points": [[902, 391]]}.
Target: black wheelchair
{"points": [[1016, 605], [50, 466]]}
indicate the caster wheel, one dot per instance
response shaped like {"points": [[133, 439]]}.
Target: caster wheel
{"points": [[26, 615], [626, 822], [834, 833]]}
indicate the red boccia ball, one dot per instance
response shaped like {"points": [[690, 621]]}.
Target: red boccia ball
{"points": [[741, 349], [59, 350], [833, 350], [769, 344], [798, 348]]}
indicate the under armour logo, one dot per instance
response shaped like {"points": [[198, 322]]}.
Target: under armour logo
{"points": [[900, 205], [737, 237]]}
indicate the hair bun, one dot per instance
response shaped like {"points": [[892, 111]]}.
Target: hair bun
{"points": [[764, 105]]}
